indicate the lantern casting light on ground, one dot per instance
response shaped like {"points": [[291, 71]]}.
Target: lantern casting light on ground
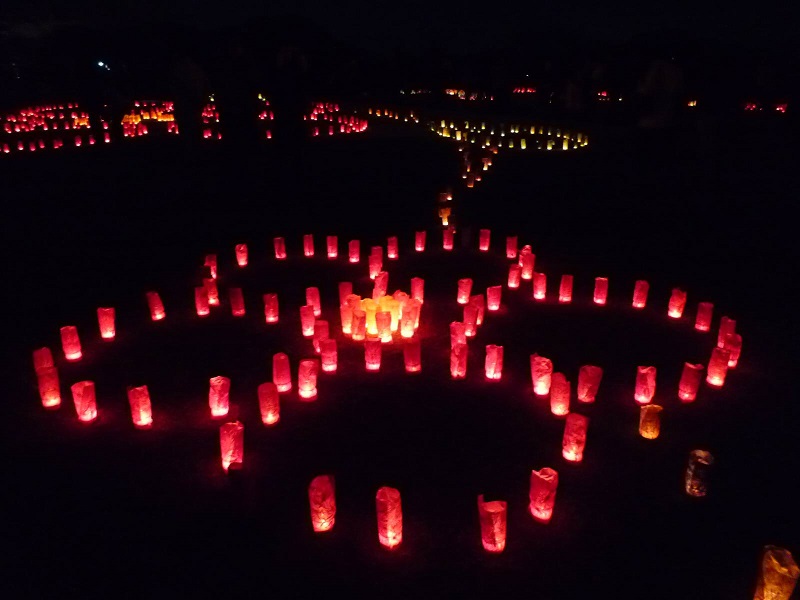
{"points": [[696, 475], [354, 251], [307, 320], [492, 517], [391, 248], [600, 290], [527, 262], [269, 403], [71, 343], [733, 344], [42, 359], [705, 310], [231, 445], [390, 517], [726, 326], [640, 290], [321, 332], [419, 241], [574, 441], [281, 372], [645, 385], [542, 494], [106, 322], [541, 374], [272, 310], [211, 291], [418, 289], [718, 367], [359, 325], [447, 238], [559, 395], [83, 396], [307, 378], [141, 410], [677, 302], [778, 575], [322, 502], [412, 356], [650, 421], [219, 396], [312, 298]]}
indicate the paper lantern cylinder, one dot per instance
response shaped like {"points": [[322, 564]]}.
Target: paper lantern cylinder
{"points": [[219, 396], [541, 374], [371, 308], [346, 316], [141, 410], [514, 272], [312, 298], [412, 356], [565, 289], [156, 306], [307, 372], [574, 440], [523, 253], [322, 331], [49, 389], [418, 289], [354, 251], [511, 246], [231, 445], [726, 326], [281, 372], [407, 323], [308, 245], [237, 302], [589, 378], [778, 576], [307, 320], [322, 501], [390, 517], [272, 310], [447, 238], [640, 290], [600, 290], [419, 241], [106, 321], [464, 290], [359, 325], [269, 403], [544, 485], [677, 302], [493, 296], [345, 290], [705, 311], [241, 255], [211, 263], [280, 248], [381, 285], [71, 343], [494, 362], [690, 381], [329, 354], [211, 291], [42, 359], [696, 476], [332, 243], [391, 248], [492, 517], [717, 367], [201, 301], [650, 421], [539, 286], [645, 384], [372, 355], [458, 361], [83, 396], [527, 264], [470, 320], [733, 344], [383, 322], [484, 238], [375, 265], [458, 333], [560, 390]]}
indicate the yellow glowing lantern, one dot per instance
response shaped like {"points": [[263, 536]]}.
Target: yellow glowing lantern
{"points": [[677, 302], [141, 410], [358, 328], [237, 302], [464, 290], [458, 361], [269, 403], [718, 367], [733, 344], [321, 332], [589, 378], [322, 501], [541, 374], [447, 238], [354, 251], [494, 362], [372, 355], [444, 215], [696, 475], [83, 396], [543, 488], [778, 576], [201, 301], [241, 254], [645, 384], [219, 396], [272, 310], [211, 291], [705, 311], [726, 326], [383, 323], [640, 290], [650, 421], [49, 389], [560, 391], [574, 441], [492, 516], [690, 381], [539, 286], [600, 290], [419, 241], [280, 248], [71, 343], [493, 296], [307, 372], [391, 248], [231, 445], [484, 240], [312, 298], [511, 244], [307, 320], [281, 372], [308, 245]]}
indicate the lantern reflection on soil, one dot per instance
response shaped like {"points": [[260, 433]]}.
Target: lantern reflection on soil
{"points": [[83, 396], [269, 403], [542, 494], [322, 502]]}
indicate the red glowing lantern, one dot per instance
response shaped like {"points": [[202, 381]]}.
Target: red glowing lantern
{"points": [[484, 237], [574, 441], [493, 296], [359, 325], [106, 321], [241, 255], [307, 378], [733, 344], [83, 395], [354, 251], [527, 263], [589, 378], [690, 381], [49, 388], [677, 302], [201, 301], [511, 246], [272, 311], [419, 241], [329, 354], [718, 367], [308, 245], [600, 290], [372, 355], [312, 298], [493, 524], [307, 320], [321, 332], [726, 326], [269, 403], [141, 411], [156, 306], [211, 291], [280, 248], [418, 289], [640, 290], [391, 248], [464, 290], [42, 359], [412, 356], [322, 501], [645, 384], [514, 272], [71, 343], [219, 396], [559, 395], [458, 333], [705, 311], [237, 302], [458, 361], [565, 289], [332, 243], [539, 286], [383, 322], [345, 289], [494, 362], [381, 285], [541, 374], [390, 517], [470, 320], [375, 265], [231, 445], [281, 372], [543, 488], [479, 303], [211, 263], [447, 238]]}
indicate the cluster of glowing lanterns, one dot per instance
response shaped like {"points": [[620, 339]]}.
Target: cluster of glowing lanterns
{"points": [[463, 95], [134, 123], [512, 136], [388, 113], [39, 127], [524, 90], [267, 115], [328, 112]]}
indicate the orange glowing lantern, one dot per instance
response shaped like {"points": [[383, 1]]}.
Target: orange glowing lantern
{"points": [[690, 382], [493, 524], [307, 378], [650, 421], [539, 286], [359, 325], [418, 289], [458, 361], [511, 246], [141, 411], [447, 238], [726, 326], [407, 323], [269, 403], [272, 311], [370, 308], [589, 378], [49, 389], [419, 241], [42, 359], [211, 263], [237, 302], [391, 248], [345, 289], [696, 475], [527, 263], [705, 310], [412, 357], [381, 285], [308, 245], [201, 301], [645, 384], [372, 355], [484, 237], [541, 374], [71, 343], [312, 298], [332, 243], [231, 445], [281, 372], [280, 248], [375, 265], [464, 290], [106, 321], [494, 362], [640, 290], [219, 396], [322, 501], [559, 395], [574, 440], [390, 517], [346, 316], [493, 296], [778, 576], [383, 323], [354, 251], [307, 320], [544, 485], [677, 302], [241, 255], [321, 332], [600, 290], [718, 367], [565, 289], [330, 355], [733, 344], [83, 396], [211, 291]]}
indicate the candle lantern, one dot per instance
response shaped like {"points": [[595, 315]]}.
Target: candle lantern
{"points": [[559, 395], [677, 302], [346, 316], [718, 367], [272, 314], [778, 576], [231, 445], [49, 389], [600, 290], [690, 381], [372, 355], [219, 396], [359, 325], [524, 252], [141, 410], [156, 306], [407, 322], [201, 301], [696, 476], [574, 440], [726, 326], [307, 378], [419, 241], [211, 263], [527, 264], [412, 356], [269, 403], [308, 245], [539, 286], [705, 311], [565, 289], [376, 251], [42, 359], [514, 272], [733, 344], [470, 320], [458, 361], [511, 246], [237, 302], [332, 242], [106, 321], [589, 378], [544, 485], [494, 362], [345, 290], [322, 331], [650, 421], [645, 384], [71, 343], [383, 323], [322, 500], [211, 291], [375, 265], [464, 290], [390, 517], [447, 238], [493, 295], [312, 298], [484, 237], [307, 320], [281, 372], [241, 255], [418, 289], [354, 251], [371, 308], [458, 333], [83, 395], [280, 248], [381, 285], [391, 248], [640, 290], [330, 355], [493, 524], [541, 374]]}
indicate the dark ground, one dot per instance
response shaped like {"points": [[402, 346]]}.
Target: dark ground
{"points": [[110, 511]]}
